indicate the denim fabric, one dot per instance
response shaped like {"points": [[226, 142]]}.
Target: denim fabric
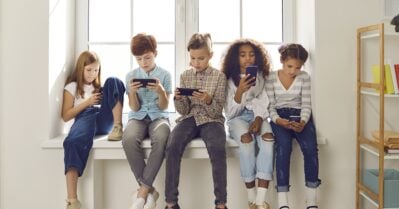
{"points": [[214, 136], [256, 157], [90, 122], [308, 143], [135, 132]]}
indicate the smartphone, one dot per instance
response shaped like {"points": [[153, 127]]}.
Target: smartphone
{"points": [[295, 118], [252, 71], [187, 91], [144, 81]]}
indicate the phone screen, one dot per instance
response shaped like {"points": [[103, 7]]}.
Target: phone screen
{"points": [[252, 71]]}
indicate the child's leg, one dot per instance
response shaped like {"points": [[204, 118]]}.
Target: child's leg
{"points": [[238, 130], [307, 140], [264, 162], [77, 146], [180, 136], [134, 134], [111, 105], [72, 183], [214, 136], [283, 147]]}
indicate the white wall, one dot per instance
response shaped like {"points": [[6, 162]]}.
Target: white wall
{"points": [[35, 176]]}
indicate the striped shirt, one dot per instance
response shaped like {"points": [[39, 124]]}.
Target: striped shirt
{"points": [[213, 82], [297, 96]]}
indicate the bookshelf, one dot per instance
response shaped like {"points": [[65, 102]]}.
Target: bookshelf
{"points": [[374, 109]]}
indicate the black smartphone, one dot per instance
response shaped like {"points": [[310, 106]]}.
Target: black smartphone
{"points": [[252, 71], [144, 81], [187, 91], [295, 118]]}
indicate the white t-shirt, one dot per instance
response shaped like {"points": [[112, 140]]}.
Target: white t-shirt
{"points": [[88, 89]]}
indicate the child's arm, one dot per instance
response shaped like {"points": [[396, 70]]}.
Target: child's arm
{"points": [[182, 103], [306, 107], [232, 108], [272, 99], [69, 111]]}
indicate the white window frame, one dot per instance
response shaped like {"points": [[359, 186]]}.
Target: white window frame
{"points": [[186, 24]]}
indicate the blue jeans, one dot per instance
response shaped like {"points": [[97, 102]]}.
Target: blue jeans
{"points": [[90, 122], [308, 143], [214, 136], [256, 157]]}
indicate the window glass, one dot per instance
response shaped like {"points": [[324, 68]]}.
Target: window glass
{"points": [[223, 24], [155, 17], [109, 20], [262, 20]]}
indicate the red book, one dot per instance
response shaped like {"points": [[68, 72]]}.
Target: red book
{"points": [[397, 72]]}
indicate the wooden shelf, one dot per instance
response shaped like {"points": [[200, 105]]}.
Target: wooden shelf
{"points": [[371, 93], [374, 151]]}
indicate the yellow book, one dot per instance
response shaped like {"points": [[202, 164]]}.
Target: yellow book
{"points": [[375, 69]]}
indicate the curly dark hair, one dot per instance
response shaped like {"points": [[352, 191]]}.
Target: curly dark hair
{"points": [[231, 63]]}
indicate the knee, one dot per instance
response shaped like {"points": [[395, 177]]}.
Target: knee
{"points": [[246, 138], [267, 137], [129, 140]]}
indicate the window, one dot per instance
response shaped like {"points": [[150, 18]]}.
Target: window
{"points": [[107, 27]]}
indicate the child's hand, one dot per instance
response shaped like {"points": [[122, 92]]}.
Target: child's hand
{"points": [[245, 83], [134, 86], [284, 123], [255, 126], [203, 96], [297, 126], [157, 87], [94, 99], [177, 94]]}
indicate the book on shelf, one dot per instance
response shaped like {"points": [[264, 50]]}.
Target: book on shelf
{"points": [[391, 151], [396, 66], [394, 78], [390, 137], [389, 88]]}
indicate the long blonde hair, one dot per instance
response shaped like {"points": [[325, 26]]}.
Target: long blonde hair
{"points": [[84, 59]]}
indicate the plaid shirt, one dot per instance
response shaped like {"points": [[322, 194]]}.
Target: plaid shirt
{"points": [[213, 82]]}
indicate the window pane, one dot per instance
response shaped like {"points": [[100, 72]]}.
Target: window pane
{"points": [[166, 60], [273, 51], [262, 20], [115, 62], [156, 18], [223, 25], [218, 53], [109, 20]]}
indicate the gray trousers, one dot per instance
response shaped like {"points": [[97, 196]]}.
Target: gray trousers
{"points": [[214, 136], [133, 135]]}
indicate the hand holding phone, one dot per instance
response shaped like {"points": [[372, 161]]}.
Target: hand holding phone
{"points": [[144, 81], [252, 71], [295, 118], [187, 91]]}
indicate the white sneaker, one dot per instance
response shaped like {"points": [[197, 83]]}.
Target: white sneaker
{"points": [[138, 203], [151, 202]]}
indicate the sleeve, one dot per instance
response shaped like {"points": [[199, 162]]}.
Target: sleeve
{"points": [[215, 109], [182, 105], [232, 108], [71, 88], [306, 103], [167, 84], [129, 76], [260, 104], [272, 98]]}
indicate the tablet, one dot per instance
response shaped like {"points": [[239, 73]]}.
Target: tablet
{"points": [[144, 81], [187, 91]]}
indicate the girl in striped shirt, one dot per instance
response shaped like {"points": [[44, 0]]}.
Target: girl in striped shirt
{"points": [[289, 93]]}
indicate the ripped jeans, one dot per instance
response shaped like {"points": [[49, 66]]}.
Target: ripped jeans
{"points": [[307, 141], [256, 156]]}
